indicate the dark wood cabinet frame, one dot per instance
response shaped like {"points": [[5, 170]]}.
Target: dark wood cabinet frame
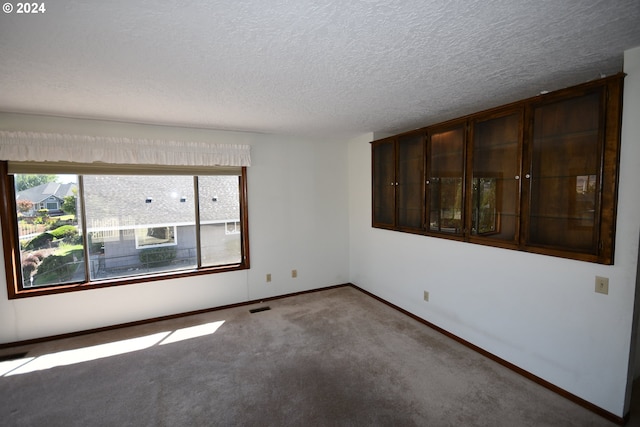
{"points": [[577, 219]]}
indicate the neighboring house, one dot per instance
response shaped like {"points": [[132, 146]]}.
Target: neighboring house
{"points": [[126, 214], [47, 196]]}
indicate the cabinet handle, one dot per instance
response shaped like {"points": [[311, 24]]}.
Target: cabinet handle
{"points": [[517, 176], [527, 176], [427, 182], [391, 183]]}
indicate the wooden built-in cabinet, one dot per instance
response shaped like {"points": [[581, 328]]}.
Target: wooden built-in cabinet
{"points": [[538, 175], [398, 184]]}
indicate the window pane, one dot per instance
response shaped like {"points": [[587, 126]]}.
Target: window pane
{"points": [[446, 160], [51, 250], [220, 231], [564, 174], [139, 224]]}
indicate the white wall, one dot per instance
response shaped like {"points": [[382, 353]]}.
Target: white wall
{"points": [[539, 312], [297, 220]]}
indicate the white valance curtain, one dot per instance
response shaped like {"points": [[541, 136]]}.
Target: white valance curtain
{"points": [[49, 147]]}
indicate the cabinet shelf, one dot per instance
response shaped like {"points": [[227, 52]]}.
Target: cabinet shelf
{"points": [[561, 177], [496, 146], [565, 136]]}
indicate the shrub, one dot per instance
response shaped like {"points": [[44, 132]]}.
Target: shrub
{"points": [[59, 221], [77, 253], [53, 223], [68, 233], [62, 264], [76, 239], [154, 257], [64, 232], [39, 242]]}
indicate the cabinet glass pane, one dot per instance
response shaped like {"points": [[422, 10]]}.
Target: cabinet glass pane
{"points": [[410, 191], [446, 164], [495, 186], [564, 174], [383, 183]]}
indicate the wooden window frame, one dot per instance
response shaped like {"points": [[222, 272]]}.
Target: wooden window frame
{"points": [[11, 248]]}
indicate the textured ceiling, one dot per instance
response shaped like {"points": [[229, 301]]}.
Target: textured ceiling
{"points": [[315, 67]]}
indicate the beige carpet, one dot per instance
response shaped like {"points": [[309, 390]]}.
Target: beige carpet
{"points": [[331, 358]]}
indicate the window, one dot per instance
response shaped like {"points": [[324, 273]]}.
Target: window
{"points": [[232, 227], [147, 237], [120, 228]]}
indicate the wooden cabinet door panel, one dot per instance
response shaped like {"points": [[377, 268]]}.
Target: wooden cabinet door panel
{"points": [[410, 188], [445, 166], [384, 179], [564, 182], [495, 178]]}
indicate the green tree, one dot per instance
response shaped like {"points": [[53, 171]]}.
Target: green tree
{"points": [[69, 204], [24, 181]]}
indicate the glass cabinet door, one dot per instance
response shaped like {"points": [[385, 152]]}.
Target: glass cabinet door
{"points": [[538, 175], [410, 188], [564, 182], [384, 180], [495, 183], [445, 170]]}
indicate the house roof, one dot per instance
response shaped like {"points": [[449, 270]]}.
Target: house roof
{"points": [[121, 201], [304, 66], [44, 191]]}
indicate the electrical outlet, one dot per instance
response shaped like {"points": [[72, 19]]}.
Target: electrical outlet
{"points": [[294, 273], [602, 285], [426, 296], [268, 277]]}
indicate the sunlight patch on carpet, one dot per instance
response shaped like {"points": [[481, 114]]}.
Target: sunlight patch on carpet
{"points": [[85, 354], [69, 357], [192, 332], [9, 365]]}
